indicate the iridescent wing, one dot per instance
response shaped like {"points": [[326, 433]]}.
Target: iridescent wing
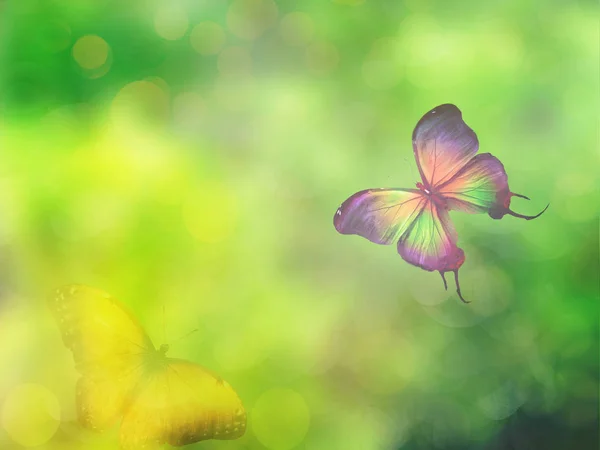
{"points": [[481, 186], [424, 233], [430, 243], [180, 403], [379, 215], [442, 144], [109, 348]]}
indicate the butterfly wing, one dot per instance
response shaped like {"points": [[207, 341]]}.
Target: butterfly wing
{"points": [[108, 346], [180, 403], [481, 186], [379, 215], [442, 144], [430, 243]]}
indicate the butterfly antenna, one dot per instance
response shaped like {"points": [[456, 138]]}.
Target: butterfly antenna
{"points": [[412, 169], [444, 278], [185, 335], [458, 286]]}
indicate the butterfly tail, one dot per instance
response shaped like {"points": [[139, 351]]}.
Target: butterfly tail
{"points": [[444, 279], [521, 216], [458, 286]]}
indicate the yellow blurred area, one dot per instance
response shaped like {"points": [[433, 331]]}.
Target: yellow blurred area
{"points": [[209, 212], [30, 414]]}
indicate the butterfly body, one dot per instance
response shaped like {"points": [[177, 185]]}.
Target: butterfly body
{"points": [[123, 376], [454, 178], [433, 196]]}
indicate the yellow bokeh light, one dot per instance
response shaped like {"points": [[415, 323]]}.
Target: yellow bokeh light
{"points": [[209, 212], [142, 99], [248, 19], [296, 29], [171, 22], [208, 38], [31, 414], [280, 419], [90, 52]]}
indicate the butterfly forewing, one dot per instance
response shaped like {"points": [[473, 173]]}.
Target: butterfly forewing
{"points": [[442, 144], [180, 403], [380, 215], [99, 331], [109, 348]]}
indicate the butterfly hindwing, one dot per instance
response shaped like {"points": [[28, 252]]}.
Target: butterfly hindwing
{"points": [[479, 187], [430, 242], [442, 144], [180, 403], [379, 215]]}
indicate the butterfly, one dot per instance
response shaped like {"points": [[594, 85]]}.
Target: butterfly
{"points": [[160, 399], [453, 177]]}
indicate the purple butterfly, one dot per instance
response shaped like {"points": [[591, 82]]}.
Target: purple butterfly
{"points": [[453, 178]]}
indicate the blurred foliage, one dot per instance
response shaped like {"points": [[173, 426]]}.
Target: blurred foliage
{"points": [[191, 154]]}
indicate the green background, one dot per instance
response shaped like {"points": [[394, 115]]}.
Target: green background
{"points": [[199, 173]]}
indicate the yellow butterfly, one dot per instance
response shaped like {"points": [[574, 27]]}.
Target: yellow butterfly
{"points": [[161, 399]]}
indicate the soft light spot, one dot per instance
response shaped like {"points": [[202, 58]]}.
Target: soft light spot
{"points": [[280, 419], [90, 52], [234, 61], [140, 99], [248, 19], [210, 213], [296, 29], [171, 22], [207, 38], [31, 414], [322, 57], [160, 82]]}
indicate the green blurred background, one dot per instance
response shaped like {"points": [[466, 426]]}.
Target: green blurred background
{"points": [[190, 155]]}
